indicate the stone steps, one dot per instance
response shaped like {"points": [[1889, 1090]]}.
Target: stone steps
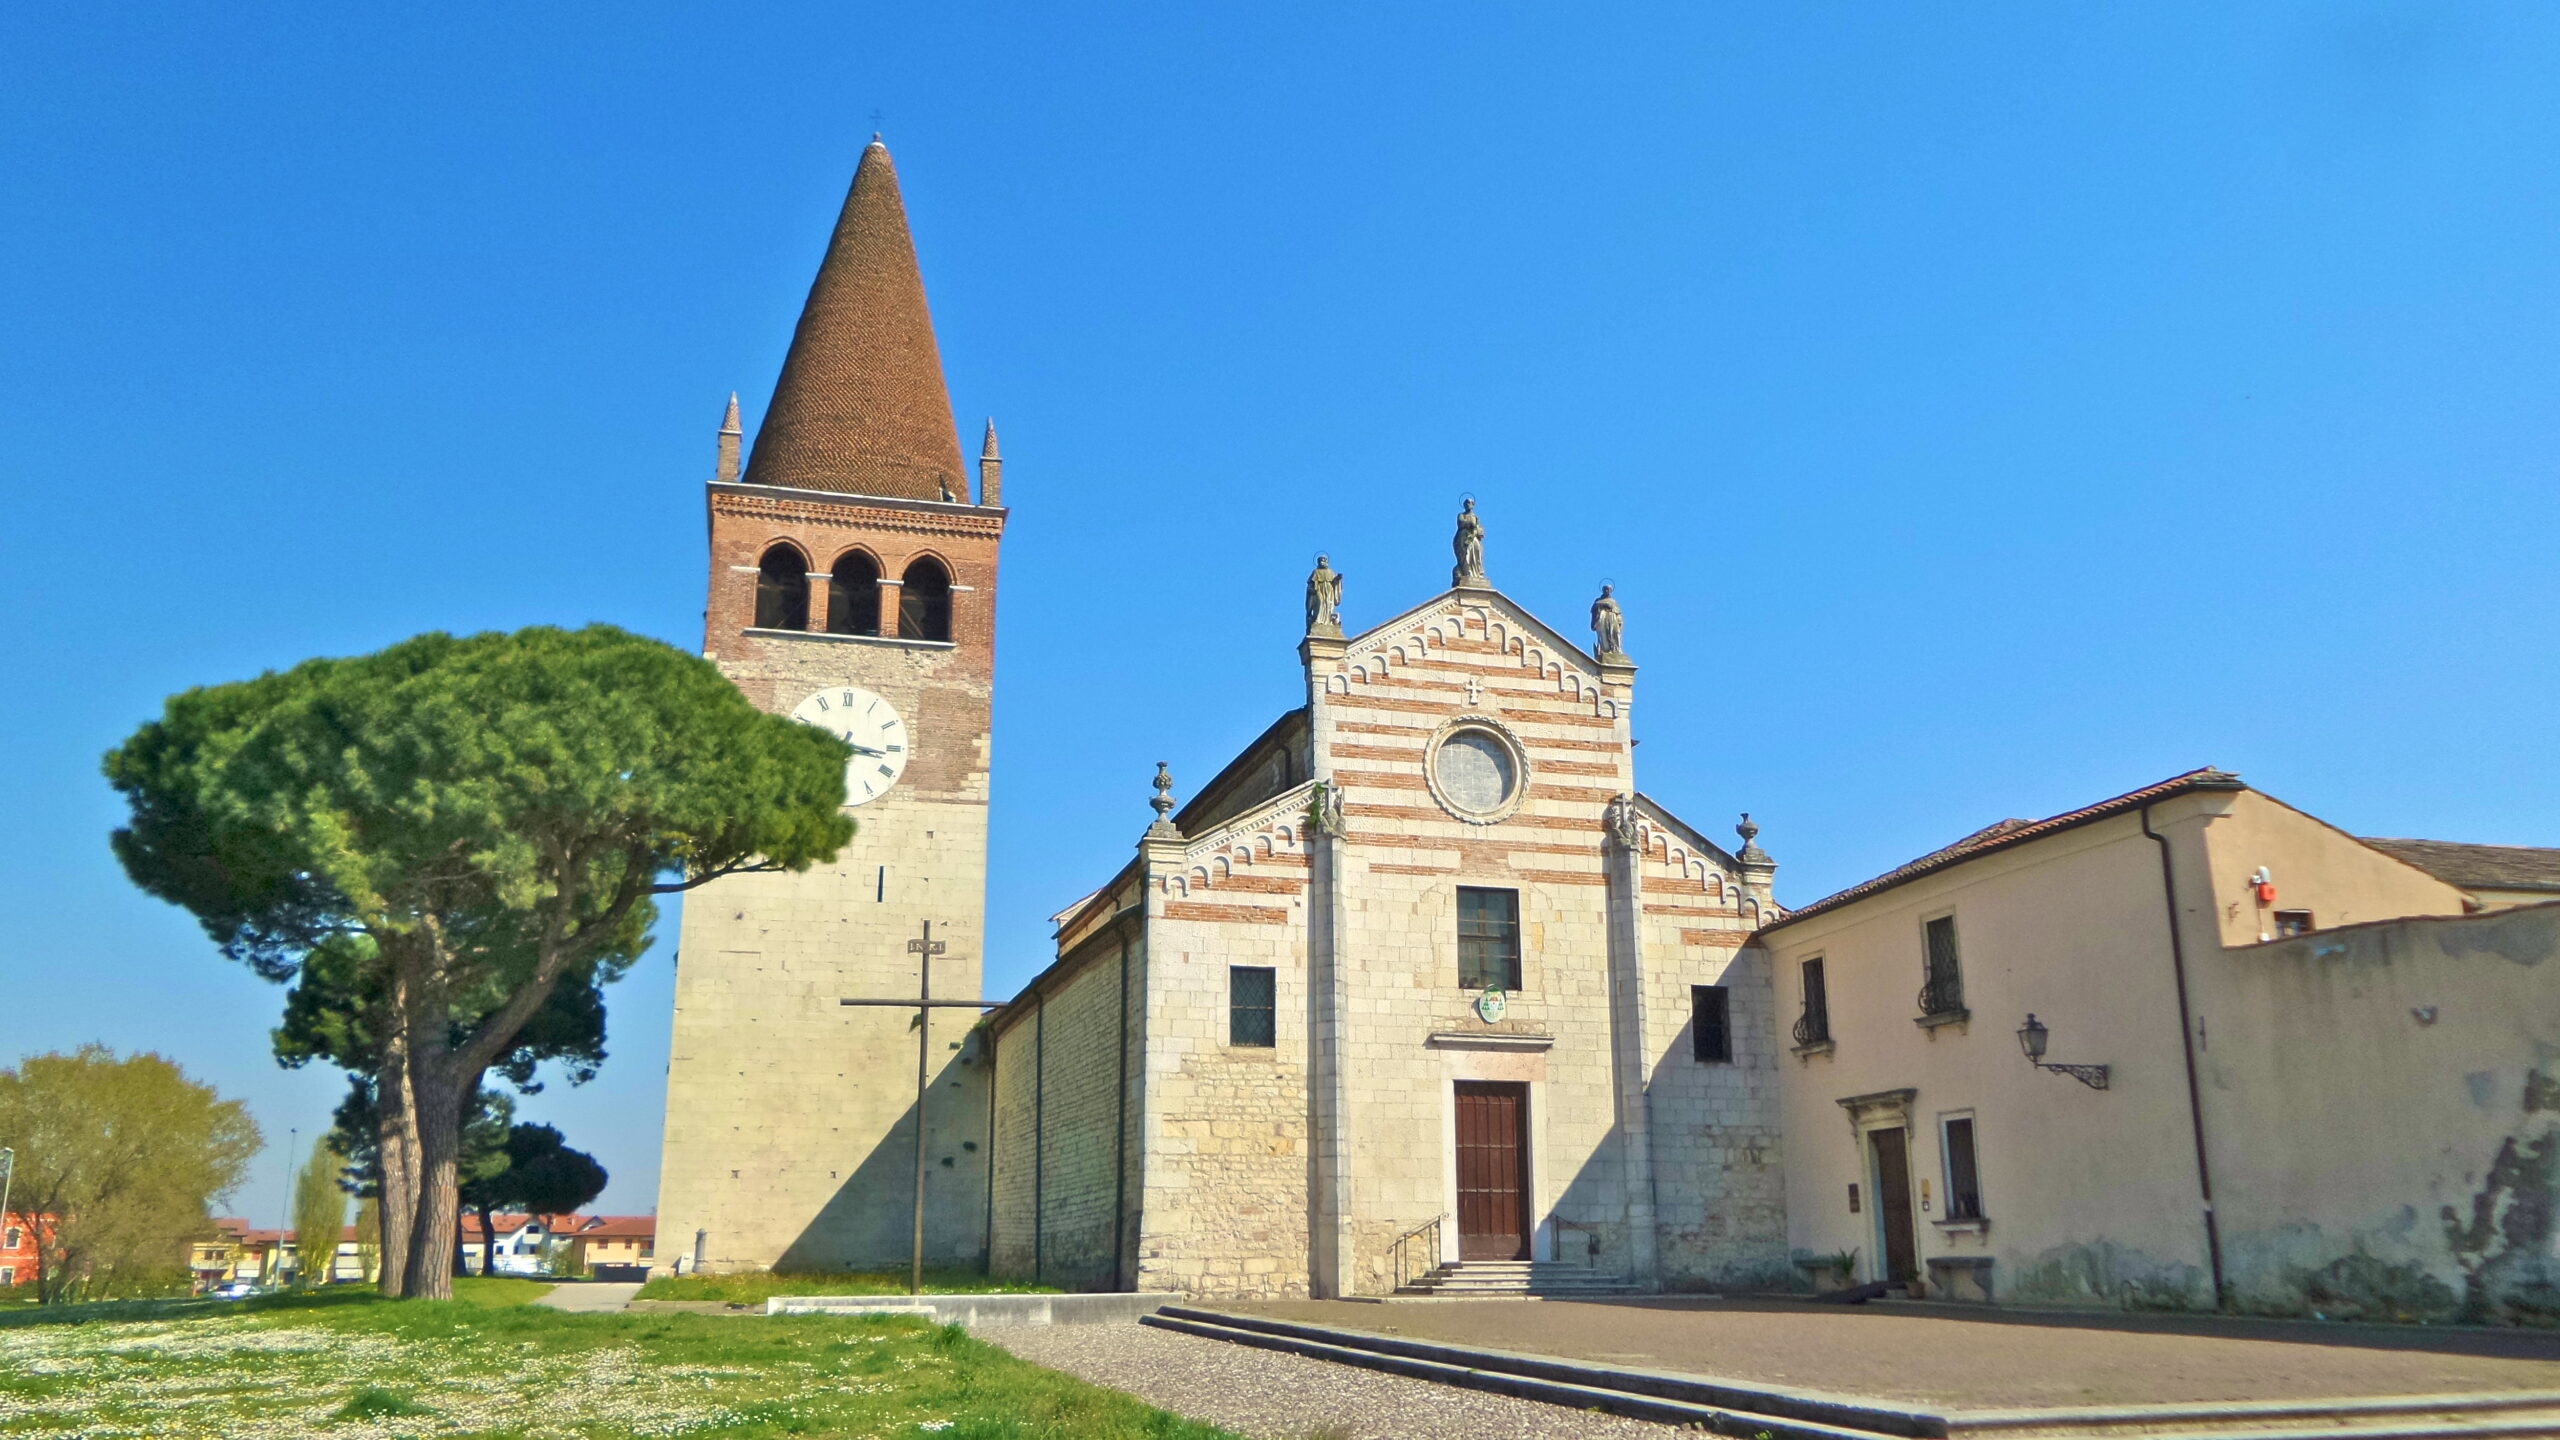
{"points": [[1776, 1412], [1501, 1279]]}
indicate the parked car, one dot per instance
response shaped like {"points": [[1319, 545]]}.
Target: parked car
{"points": [[236, 1290]]}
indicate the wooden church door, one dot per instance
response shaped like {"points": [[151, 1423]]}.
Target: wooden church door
{"points": [[1493, 1170]]}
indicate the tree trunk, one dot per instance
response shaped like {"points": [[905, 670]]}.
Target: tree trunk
{"points": [[488, 1239], [438, 1116], [396, 1143]]}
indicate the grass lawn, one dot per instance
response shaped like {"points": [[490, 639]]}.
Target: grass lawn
{"points": [[754, 1287], [363, 1368]]}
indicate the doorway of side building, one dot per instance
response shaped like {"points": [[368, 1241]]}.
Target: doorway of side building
{"points": [[1493, 1170], [1889, 1157]]}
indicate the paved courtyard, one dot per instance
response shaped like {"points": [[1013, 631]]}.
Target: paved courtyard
{"points": [[1972, 1358], [1270, 1396]]}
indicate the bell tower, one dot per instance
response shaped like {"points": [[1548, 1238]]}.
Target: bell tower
{"points": [[852, 585]]}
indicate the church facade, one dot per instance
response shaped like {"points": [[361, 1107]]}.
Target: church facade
{"points": [[1420, 978]]}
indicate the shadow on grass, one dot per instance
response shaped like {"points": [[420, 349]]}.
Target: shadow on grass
{"points": [[754, 1287], [191, 1307]]}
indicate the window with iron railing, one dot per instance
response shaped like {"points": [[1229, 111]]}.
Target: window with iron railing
{"points": [[1814, 1026], [1943, 994]]}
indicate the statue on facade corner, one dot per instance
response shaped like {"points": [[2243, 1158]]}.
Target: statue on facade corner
{"points": [[1609, 624], [1469, 545], [1620, 819], [1324, 599]]}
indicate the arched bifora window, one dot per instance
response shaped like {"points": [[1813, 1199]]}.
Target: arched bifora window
{"points": [[924, 602], [853, 596], [782, 590]]}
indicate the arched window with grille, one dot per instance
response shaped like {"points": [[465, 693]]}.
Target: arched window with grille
{"points": [[782, 590], [924, 602], [853, 596]]}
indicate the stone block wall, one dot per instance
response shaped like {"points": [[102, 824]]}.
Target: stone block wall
{"points": [[1063, 1208], [1225, 1213]]}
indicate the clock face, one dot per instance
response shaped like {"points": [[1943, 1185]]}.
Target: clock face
{"points": [[872, 727]]}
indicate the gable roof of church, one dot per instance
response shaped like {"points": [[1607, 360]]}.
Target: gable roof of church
{"points": [[1380, 633], [861, 408]]}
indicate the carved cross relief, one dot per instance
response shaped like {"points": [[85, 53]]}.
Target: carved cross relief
{"points": [[1475, 691]]}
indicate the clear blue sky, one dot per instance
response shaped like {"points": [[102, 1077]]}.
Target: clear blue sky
{"points": [[1982, 409]]}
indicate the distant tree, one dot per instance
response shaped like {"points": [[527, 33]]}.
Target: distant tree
{"points": [[319, 1213], [120, 1161], [541, 1176], [450, 830]]}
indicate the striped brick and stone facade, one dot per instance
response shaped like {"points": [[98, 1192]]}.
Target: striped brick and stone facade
{"points": [[1137, 1145]]}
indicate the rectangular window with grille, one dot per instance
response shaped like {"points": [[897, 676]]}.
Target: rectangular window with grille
{"points": [[1488, 939], [1250, 1005], [1711, 1024], [1964, 1179], [1944, 992]]}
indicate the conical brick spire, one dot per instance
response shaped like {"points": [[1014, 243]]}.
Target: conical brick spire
{"points": [[861, 407]]}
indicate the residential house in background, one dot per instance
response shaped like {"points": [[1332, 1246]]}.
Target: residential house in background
{"points": [[17, 1250], [611, 1247], [2183, 1047]]}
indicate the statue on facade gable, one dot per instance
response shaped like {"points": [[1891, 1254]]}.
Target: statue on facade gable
{"points": [[1609, 624], [1469, 545], [1324, 599]]}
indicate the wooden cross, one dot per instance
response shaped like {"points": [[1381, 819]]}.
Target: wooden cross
{"points": [[924, 947]]}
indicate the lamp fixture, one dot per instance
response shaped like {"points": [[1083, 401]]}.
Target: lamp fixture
{"points": [[2031, 1039]]}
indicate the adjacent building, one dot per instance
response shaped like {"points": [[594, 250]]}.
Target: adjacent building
{"points": [[2184, 1047]]}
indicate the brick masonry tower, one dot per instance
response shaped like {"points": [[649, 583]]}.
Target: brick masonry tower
{"points": [[853, 585]]}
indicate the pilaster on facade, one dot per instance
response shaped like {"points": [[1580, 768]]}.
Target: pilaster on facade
{"points": [[1630, 1064]]}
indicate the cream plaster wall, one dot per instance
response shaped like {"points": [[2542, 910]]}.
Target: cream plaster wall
{"points": [[2372, 1089], [2088, 1195]]}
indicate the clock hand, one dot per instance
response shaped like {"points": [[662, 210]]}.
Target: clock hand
{"points": [[865, 750]]}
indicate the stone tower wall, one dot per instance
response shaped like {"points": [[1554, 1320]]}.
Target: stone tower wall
{"points": [[789, 1138]]}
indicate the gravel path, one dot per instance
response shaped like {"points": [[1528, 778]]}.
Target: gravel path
{"points": [[1271, 1396]]}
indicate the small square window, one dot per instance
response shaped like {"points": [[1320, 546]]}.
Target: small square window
{"points": [[1250, 1006], [1711, 1024], [1488, 939], [2293, 922]]}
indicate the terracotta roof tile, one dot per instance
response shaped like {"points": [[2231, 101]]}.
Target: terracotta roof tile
{"points": [[2005, 833], [2479, 867], [861, 408]]}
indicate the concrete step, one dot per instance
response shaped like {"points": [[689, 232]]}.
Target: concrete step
{"points": [[1785, 1413], [1492, 1279], [1412, 1359]]}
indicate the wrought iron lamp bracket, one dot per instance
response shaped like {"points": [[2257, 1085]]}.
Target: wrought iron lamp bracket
{"points": [[2093, 1076]]}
